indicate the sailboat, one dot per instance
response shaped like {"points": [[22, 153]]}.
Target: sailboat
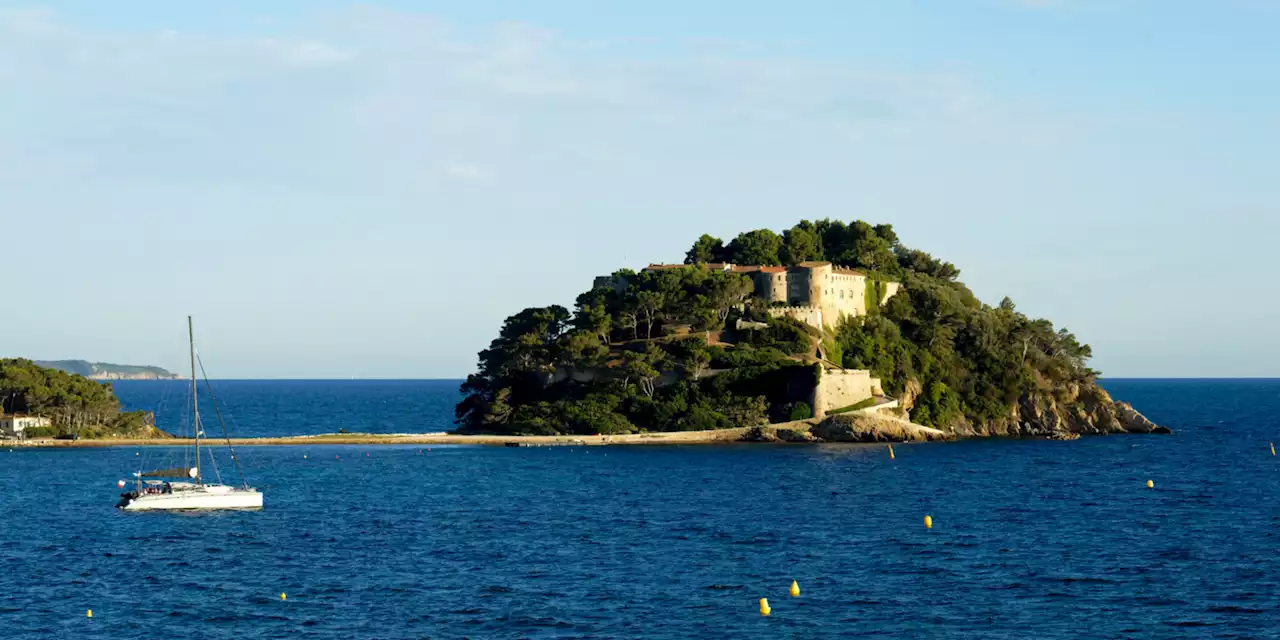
{"points": [[184, 488]]}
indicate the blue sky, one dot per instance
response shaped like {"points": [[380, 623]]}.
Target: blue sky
{"points": [[340, 190]]}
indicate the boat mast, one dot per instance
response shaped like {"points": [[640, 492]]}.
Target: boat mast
{"points": [[195, 395]]}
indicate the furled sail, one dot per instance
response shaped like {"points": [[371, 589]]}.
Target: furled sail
{"points": [[176, 472]]}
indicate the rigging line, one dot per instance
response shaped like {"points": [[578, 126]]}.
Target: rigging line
{"points": [[225, 434], [159, 414], [213, 462]]}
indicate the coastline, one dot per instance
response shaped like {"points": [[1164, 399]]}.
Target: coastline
{"points": [[861, 426], [719, 436]]}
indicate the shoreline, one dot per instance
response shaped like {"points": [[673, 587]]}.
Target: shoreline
{"points": [[859, 427], [719, 436]]}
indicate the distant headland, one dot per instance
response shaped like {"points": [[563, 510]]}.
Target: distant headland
{"points": [[108, 371], [828, 328]]}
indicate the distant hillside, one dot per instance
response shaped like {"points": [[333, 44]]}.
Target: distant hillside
{"points": [[107, 371]]}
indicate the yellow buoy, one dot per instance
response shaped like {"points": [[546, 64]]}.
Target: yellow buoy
{"points": [[928, 522], [795, 589], [890, 452], [283, 596], [764, 607], [1273, 448], [1150, 484], [89, 613]]}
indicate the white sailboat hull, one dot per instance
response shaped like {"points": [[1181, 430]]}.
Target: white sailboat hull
{"points": [[198, 499], [155, 495]]}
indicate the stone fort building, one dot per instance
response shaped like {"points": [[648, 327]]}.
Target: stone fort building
{"points": [[819, 294]]}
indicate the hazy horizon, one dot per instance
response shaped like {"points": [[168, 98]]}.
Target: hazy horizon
{"points": [[367, 191]]}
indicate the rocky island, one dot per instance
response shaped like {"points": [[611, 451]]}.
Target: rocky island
{"points": [[827, 331]]}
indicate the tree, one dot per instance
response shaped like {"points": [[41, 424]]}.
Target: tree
{"points": [[706, 249], [515, 366], [628, 318], [867, 249], [801, 243], [643, 368], [726, 290], [582, 350], [526, 342], [886, 232], [759, 247], [921, 262], [696, 364], [592, 314], [649, 306]]}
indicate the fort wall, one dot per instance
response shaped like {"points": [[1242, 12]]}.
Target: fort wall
{"points": [[839, 388], [834, 292], [807, 314]]}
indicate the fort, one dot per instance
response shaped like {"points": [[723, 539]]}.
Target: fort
{"points": [[819, 294]]}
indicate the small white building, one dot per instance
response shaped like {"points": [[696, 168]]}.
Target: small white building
{"points": [[15, 425]]}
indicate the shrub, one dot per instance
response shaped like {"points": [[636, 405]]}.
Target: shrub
{"points": [[801, 411], [40, 432]]}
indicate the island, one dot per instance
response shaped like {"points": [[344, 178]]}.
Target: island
{"points": [[107, 371], [827, 331], [38, 402]]}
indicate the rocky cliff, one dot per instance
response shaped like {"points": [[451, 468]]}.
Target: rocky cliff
{"points": [[1077, 407]]}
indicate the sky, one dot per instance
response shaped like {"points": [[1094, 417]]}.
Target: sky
{"points": [[341, 190]]}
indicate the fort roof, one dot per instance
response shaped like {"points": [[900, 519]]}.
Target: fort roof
{"points": [[847, 271], [753, 268]]}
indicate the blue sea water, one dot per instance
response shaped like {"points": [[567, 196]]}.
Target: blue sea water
{"points": [[300, 407], [1031, 539]]}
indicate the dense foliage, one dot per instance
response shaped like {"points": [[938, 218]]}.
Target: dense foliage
{"points": [[640, 355], [872, 248], [75, 405], [971, 362], [660, 349]]}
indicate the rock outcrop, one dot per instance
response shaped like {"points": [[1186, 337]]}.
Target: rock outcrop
{"points": [[1063, 413], [796, 432], [1079, 408], [873, 427]]}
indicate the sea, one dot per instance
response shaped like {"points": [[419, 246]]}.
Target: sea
{"points": [[1030, 538]]}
